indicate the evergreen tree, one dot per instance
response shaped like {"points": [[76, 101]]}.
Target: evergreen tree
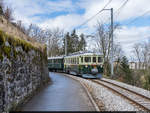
{"points": [[82, 43], [75, 41], [69, 43], [127, 74]]}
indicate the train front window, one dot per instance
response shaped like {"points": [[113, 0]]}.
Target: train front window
{"points": [[87, 59], [99, 59], [94, 59]]}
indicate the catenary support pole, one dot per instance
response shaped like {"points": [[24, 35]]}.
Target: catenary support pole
{"points": [[112, 50], [66, 46]]}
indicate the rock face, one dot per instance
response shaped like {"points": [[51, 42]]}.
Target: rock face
{"points": [[23, 70]]}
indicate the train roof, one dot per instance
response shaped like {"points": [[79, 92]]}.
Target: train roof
{"points": [[76, 54], [83, 54], [57, 57]]}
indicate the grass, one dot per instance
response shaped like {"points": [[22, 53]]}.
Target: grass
{"points": [[14, 42]]}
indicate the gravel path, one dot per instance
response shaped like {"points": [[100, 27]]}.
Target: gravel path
{"points": [[133, 88], [111, 101]]}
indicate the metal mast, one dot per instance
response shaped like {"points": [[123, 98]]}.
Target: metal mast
{"points": [[112, 49], [66, 45]]}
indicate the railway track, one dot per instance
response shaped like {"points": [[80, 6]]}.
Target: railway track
{"points": [[136, 98]]}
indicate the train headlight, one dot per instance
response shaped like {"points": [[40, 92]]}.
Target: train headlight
{"points": [[94, 70]]}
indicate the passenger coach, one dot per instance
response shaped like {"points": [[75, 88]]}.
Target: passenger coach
{"points": [[85, 64], [56, 63]]}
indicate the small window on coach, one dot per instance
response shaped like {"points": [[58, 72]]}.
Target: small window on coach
{"points": [[74, 60], [87, 59], [49, 61], [94, 59], [99, 59], [77, 60], [81, 59]]}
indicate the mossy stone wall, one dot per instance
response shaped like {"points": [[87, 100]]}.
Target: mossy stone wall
{"points": [[23, 70]]}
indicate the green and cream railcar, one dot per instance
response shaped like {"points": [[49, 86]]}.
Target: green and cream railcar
{"points": [[88, 65]]}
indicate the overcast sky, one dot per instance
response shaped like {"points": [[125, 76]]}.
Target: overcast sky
{"points": [[69, 14]]}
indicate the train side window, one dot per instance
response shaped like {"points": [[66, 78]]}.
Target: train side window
{"points": [[87, 59], [94, 59], [99, 59], [72, 60], [77, 60], [81, 59]]}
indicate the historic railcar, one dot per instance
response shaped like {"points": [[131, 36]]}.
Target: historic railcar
{"points": [[87, 65], [56, 63]]}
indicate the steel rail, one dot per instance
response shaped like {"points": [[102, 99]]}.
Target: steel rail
{"points": [[138, 99]]}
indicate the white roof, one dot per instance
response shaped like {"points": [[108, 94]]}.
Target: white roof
{"points": [[83, 54], [76, 54], [58, 57]]}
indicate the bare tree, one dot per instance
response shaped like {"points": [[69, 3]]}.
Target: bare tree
{"points": [[146, 54], [20, 26], [1, 7], [54, 41], [137, 50], [51, 37], [37, 33], [8, 14], [118, 55], [103, 39]]}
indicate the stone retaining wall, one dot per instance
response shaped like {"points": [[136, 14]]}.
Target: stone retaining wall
{"points": [[23, 70]]}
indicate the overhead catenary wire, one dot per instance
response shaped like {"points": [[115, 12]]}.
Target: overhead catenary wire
{"points": [[147, 12], [119, 9], [94, 15]]}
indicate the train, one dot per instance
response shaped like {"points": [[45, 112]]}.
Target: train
{"points": [[83, 64]]}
